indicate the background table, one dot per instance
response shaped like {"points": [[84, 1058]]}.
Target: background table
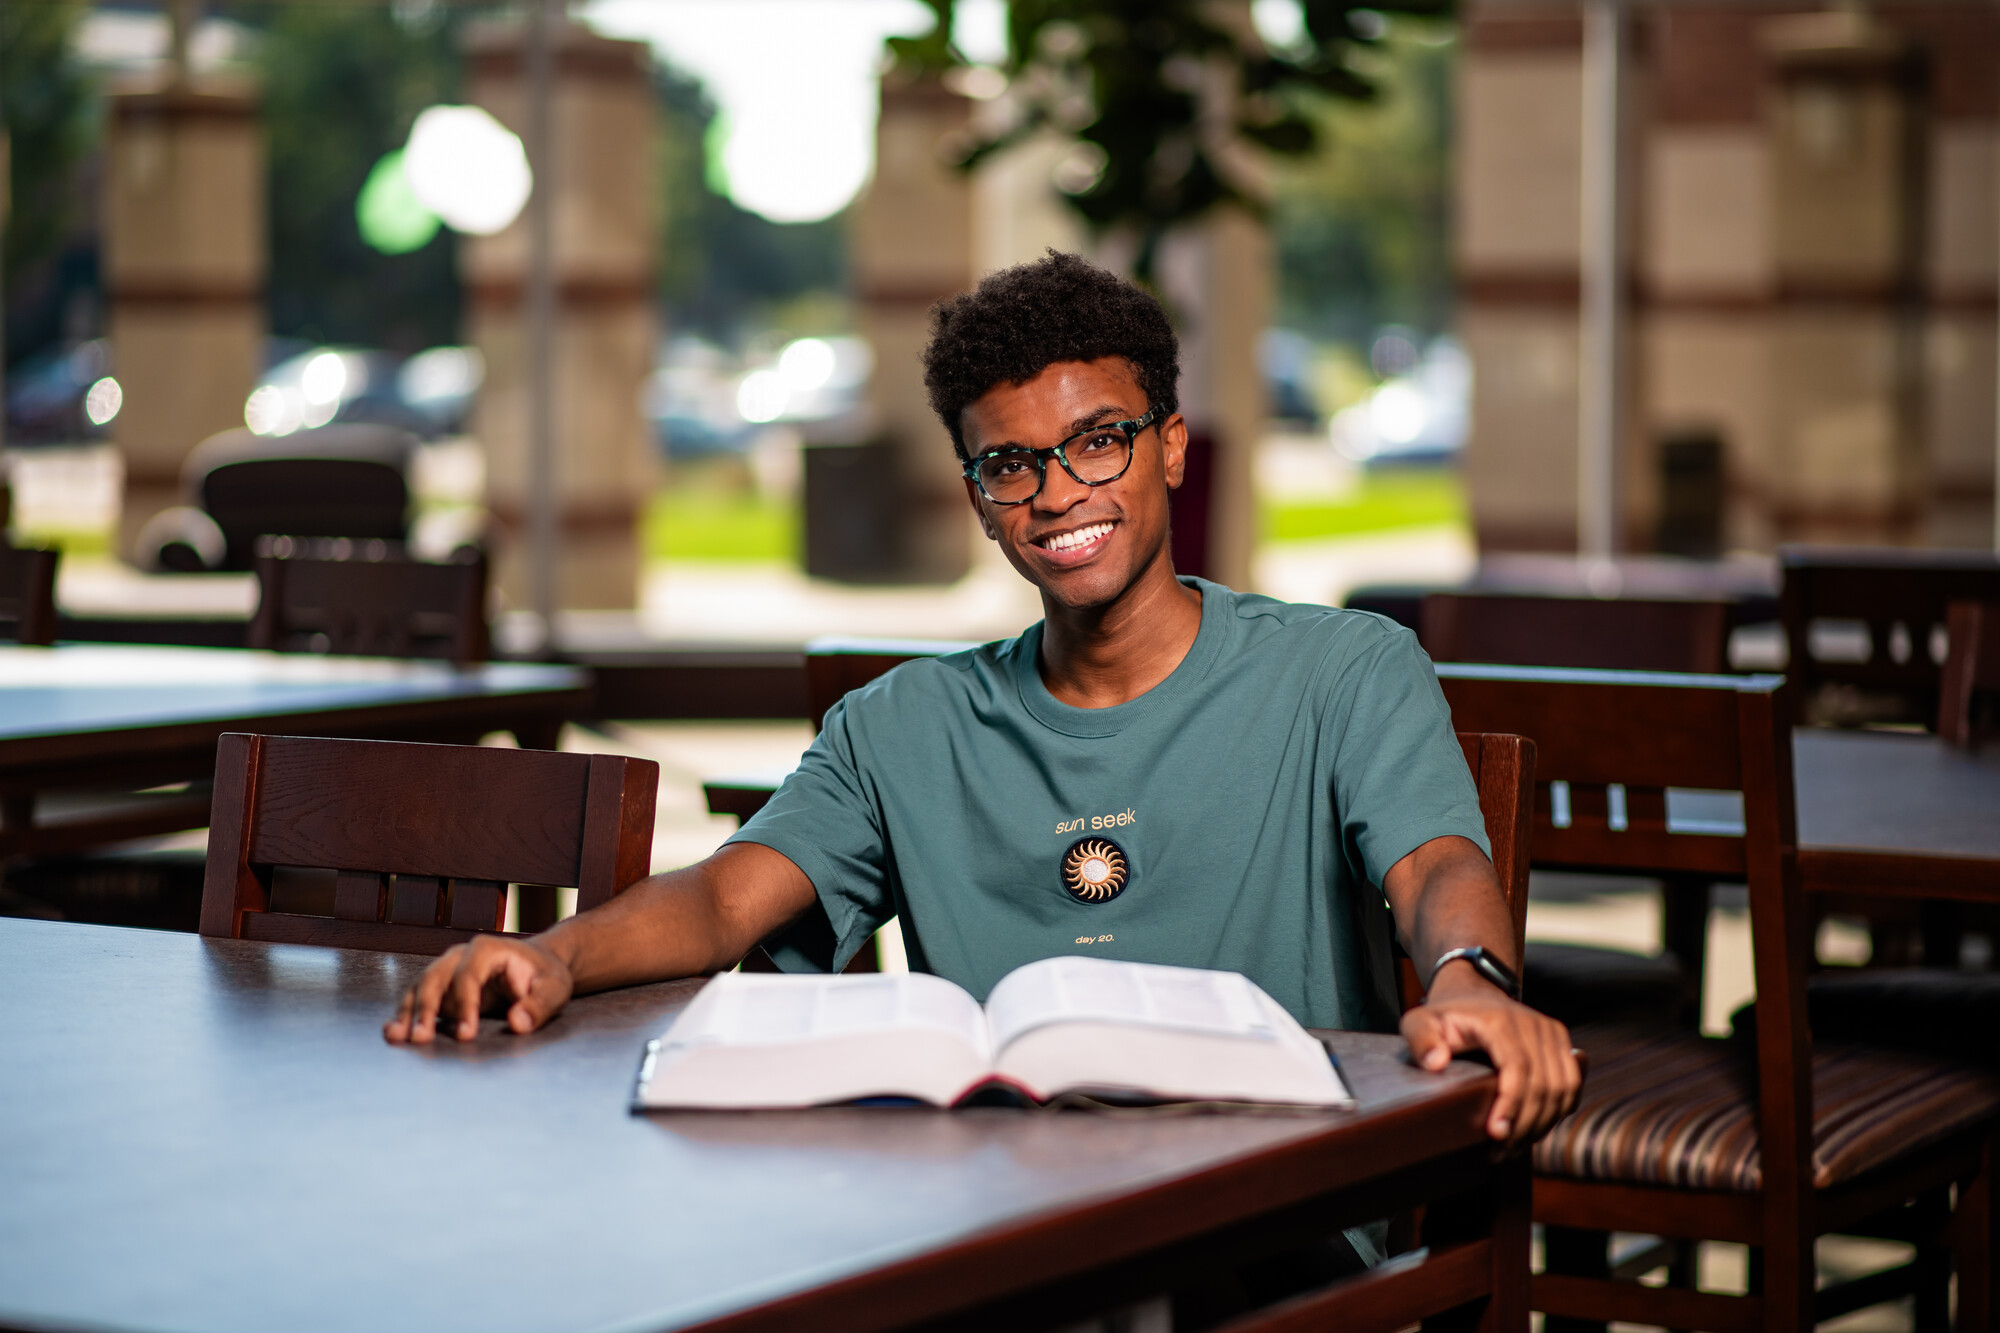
{"points": [[1896, 814], [212, 1134], [91, 717]]}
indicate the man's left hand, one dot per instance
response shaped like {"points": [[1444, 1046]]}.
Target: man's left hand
{"points": [[1539, 1074]]}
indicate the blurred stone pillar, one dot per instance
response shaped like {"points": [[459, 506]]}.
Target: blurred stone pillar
{"points": [[183, 260], [1517, 240], [1216, 277], [1848, 158], [912, 246], [605, 234]]}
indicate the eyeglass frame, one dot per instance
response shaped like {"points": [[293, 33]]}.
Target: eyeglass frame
{"points": [[1130, 429]]}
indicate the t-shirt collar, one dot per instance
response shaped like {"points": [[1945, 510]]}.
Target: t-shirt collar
{"points": [[1070, 720]]}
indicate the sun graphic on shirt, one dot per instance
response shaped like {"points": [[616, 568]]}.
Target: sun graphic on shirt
{"points": [[1094, 870]]}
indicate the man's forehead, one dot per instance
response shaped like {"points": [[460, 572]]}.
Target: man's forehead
{"points": [[1063, 396]]}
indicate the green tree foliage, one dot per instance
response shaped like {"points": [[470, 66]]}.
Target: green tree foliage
{"points": [[47, 104], [341, 84], [1161, 95], [1363, 229], [723, 268]]}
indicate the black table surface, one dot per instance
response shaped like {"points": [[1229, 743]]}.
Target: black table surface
{"points": [[212, 1134], [1897, 793]]}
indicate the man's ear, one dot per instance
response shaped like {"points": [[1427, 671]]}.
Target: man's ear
{"points": [[985, 524], [1173, 448]]}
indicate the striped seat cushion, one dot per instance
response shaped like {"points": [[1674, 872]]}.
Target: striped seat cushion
{"points": [[1665, 1109]]}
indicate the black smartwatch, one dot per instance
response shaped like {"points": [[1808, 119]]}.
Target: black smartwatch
{"points": [[1487, 965]]}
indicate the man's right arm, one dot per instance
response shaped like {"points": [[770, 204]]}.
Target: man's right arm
{"points": [[685, 923]]}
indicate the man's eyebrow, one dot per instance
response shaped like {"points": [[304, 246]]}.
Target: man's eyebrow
{"points": [[1096, 417]]}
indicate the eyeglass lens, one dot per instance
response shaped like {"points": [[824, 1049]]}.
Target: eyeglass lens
{"points": [[1094, 457]]}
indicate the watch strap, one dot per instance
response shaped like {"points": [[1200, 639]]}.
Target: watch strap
{"points": [[1484, 963]]}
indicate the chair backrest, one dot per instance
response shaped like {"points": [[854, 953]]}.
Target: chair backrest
{"points": [[368, 599], [1503, 769], [349, 479], [28, 592], [835, 666], [1620, 634], [1971, 675], [1892, 605], [420, 841], [1609, 746]]}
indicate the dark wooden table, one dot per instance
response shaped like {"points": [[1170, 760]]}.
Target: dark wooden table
{"points": [[212, 1134], [1888, 813], [117, 718]]}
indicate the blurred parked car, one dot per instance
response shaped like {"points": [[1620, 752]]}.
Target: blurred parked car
{"points": [[703, 401], [50, 396], [427, 395], [1415, 417]]}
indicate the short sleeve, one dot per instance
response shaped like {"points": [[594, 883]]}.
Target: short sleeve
{"points": [[1399, 776], [826, 820]]}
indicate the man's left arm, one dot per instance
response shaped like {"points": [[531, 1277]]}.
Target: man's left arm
{"points": [[1445, 896]]}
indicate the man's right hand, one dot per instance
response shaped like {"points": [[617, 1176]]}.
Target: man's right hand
{"points": [[685, 923], [489, 973]]}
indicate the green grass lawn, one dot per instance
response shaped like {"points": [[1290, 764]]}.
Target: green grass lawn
{"points": [[700, 523], [722, 524], [1385, 500]]}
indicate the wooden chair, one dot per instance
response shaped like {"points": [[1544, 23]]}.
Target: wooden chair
{"points": [[1899, 599], [1692, 1139], [1619, 634], [367, 598], [1503, 769], [28, 592], [420, 841], [1687, 634], [1971, 667]]}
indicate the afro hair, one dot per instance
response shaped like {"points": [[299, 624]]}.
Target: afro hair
{"points": [[1024, 319]]}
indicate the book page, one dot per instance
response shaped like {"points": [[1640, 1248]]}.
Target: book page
{"points": [[759, 1009], [752, 1040], [1074, 989]]}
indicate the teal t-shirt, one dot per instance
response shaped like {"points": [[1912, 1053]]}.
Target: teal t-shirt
{"points": [[1238, 815]]}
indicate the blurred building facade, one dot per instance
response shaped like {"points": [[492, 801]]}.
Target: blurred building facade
{"points": [[184, 262], [1811, 243], [605, 245]]}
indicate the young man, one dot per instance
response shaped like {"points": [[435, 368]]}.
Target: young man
{"points": [[1162, 769]]}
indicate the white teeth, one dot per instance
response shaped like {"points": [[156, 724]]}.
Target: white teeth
{"points": [[1063, 541]]}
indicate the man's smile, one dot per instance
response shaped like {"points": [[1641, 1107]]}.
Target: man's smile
{"points": [[1075, 544]]}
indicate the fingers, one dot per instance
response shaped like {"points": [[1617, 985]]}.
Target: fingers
{"points": [[415, 1019], [1425, 1036], [469, 978], [536, 993], [1538, 1076]]}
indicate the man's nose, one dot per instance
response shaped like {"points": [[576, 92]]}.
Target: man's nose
{"points": [[1060, 491]]}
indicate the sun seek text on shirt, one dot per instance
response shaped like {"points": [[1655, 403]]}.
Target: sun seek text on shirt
{"points": [[1077, 825]]}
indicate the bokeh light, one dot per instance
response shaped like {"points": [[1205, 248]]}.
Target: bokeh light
{"points": [[467, 168], [762, 395], [806, 365], [391, 217], [101, 404]]}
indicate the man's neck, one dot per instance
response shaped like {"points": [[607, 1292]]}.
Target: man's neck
{"points": [[1098, 657]]}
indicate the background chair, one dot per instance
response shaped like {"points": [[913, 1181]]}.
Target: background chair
{"points": [[28, 592], [1865, 628], [345, 480], [1693, 1139], [1621, 634], [1573, 982], [412, 847], [368, 598], [1969, 686]]}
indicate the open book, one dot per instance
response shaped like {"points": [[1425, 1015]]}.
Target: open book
{"points": [[1087, 1029]]}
